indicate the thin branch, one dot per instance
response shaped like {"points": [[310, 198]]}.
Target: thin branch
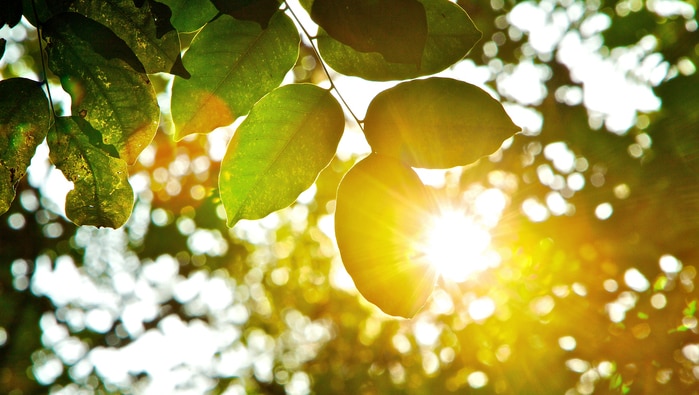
{"points": [[44, 61], [360, 123]]}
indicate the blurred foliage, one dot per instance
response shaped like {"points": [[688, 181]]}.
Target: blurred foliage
{"points": [[594, 295]]}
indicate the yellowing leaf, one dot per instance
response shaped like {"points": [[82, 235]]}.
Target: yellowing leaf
{"points": [[102, 195], [106, 81], [233, 64], [382, 207], [436, 123], [157, 46], [24, 121]]}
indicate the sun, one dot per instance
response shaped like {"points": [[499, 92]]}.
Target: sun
{"points": [[457, 245]]}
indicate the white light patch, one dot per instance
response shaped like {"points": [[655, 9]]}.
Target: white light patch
{"points": [[636, 280], [481, 308], [455, 244]]}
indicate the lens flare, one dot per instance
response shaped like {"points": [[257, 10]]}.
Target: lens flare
{"points": [[457, 245]]}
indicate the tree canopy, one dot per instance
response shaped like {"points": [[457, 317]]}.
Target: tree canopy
{"points": [[244, 176]]}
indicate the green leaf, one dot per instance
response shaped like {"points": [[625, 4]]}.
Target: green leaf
{"points": [[450, 36], [381, 210], [102, 195], [156, 47], [105, 80], [436, 123], [396, 29], [233, 64], [277, 152], [24, 122], [43, 9], [691, 309], [259, 11], [190, 15]]}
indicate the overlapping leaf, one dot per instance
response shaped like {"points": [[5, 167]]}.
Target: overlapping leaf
{"points": [[147, 32], [190, 15], [259, 11], [102, 195], [277, 152], [106, 81], [24, 122], [436, 123], [396, 29], [233, 64], [450, 35], [382, 207]]}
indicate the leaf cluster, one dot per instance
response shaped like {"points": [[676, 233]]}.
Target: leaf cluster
{"points": [[105, 54]]}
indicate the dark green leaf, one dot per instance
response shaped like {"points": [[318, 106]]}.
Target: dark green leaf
{"points": [[142, 29], [450, 35], [259, 11], [233, 64], [102, 195], [436, 123], [679, 116], [10, 12], [24, 122], [381, 210], [277, 152], [43, 9], [105, 81], [190, 15], [397, 29]]}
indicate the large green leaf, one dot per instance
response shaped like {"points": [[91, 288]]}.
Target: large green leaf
{"points": [[233, 64], [24, 121], [397, 29], [157, 47], [107, 83], [102, 195], [190, 15], [436, 123], [380, 216], [450, 35], [277, 152]]}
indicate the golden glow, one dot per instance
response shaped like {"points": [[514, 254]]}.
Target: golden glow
{"points": [[457, 245]]}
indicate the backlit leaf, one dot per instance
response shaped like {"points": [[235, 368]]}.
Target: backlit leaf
{"points": [[397, 29], [450, 35], [24, 121], [436, 123], [278, 150], [107, 83], [381, 210], [157, 47], [233, 64], [190, 15], [102, 195]]}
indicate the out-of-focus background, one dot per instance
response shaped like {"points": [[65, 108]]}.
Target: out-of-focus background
{"points": [[577, 274]]}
